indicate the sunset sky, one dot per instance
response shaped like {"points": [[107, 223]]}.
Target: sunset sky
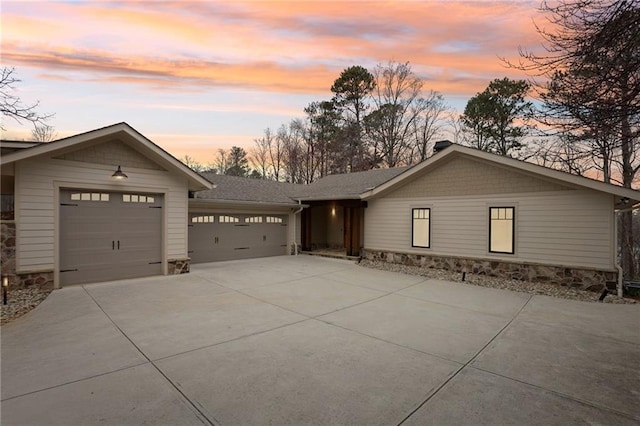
{"points": [[195, 76]]}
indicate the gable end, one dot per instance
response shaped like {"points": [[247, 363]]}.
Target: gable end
{"points": [[114, 152], [465, 176]]}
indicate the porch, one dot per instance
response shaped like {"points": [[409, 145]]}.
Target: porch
{"points": [[333, 228]]}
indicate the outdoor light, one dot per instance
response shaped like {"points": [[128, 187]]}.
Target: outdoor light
{"points": [[333, 211], [5, 285], [119, 174]]}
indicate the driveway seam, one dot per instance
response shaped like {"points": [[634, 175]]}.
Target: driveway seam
{"points": [[199, 413], [74, 381], [557, 393], [439, 388]]}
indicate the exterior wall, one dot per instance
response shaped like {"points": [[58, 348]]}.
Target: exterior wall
{"points": [[38, 182], [111, 153], [563, 228], [587, 279]]}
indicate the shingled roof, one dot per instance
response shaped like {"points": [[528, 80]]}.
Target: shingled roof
{"points": [[345, 186], [332, 187], [234, 188]]}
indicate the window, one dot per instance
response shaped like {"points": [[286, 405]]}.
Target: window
{"points": [[501, 229], [136, 198], [421, 228], [202, 219], [253, 219], [229, 219], [89, 196], [274, 219]]}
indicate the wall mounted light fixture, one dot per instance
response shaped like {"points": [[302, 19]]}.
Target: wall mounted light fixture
{"points": [[119, 174]]}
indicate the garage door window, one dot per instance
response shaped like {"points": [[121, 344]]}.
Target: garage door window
{"points": [[137, 198], [229, 219], [274, 219], [89, 196], [202, 219], [253, 219]]}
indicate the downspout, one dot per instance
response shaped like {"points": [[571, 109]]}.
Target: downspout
{"points": [[615, 257], [615, 254], [295, 242]]}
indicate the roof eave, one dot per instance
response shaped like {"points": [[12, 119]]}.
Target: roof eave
{"points": [[206, 201], [196, 182]]}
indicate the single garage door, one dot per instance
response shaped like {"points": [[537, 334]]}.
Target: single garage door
{"points": [[215, 237], [109, 235]]}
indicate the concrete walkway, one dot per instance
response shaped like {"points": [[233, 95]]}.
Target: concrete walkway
{"points": [[308, 340]]}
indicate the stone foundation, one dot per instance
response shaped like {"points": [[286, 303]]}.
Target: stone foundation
{"points": [[178, 266], [8, 248], [39, 279], [586, 279]]}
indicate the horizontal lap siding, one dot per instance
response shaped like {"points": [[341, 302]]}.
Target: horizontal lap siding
{"points": [[567, 228], [35, 204]]}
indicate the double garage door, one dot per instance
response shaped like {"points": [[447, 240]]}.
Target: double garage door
{"points": [[215, 237], [109, 235]]}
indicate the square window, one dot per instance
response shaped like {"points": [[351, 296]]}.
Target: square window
{"points": [[104, 197], [150, 200], [85, 196], [75, 197]]}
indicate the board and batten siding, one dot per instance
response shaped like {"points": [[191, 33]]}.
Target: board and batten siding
{"points": [[571, 228], [37, 186]]}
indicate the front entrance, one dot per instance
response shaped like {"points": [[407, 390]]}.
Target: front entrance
{"points": [[333, 225], [109, 235]]}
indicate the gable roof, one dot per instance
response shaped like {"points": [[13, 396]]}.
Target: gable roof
{"points": [[235, 188], [625, 198], [346, 185], [126, 133]]}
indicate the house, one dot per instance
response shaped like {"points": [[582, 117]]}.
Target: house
{"points": [[78, 219]]}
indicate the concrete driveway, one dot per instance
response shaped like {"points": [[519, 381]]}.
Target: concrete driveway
{"points": [[308, 340]]}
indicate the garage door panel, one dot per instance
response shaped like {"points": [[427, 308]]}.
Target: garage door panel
{"points": [[104, 238], [251, 236]]}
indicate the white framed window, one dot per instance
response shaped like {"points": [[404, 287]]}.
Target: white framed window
{"points": [[253, 219], [421, 227], [89, 196], [274, 219], [228, 219], [137, 198], [502, 225], [203, 219]]}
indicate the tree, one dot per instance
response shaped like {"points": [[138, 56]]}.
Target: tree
{"points": [[193, 164], [350, 93], [428, 125], [499, 117], [12, 106], [43, 133], [237, 163], [259, 155], [323, 136], [590, 70], [398, 104]]}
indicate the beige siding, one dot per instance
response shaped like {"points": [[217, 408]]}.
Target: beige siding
{"points": [[37, 185], [112, 152], [566, 228], [466, 176]]}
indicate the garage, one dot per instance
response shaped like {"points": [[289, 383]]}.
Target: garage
{"points": [[216, 237], [109, 235]]}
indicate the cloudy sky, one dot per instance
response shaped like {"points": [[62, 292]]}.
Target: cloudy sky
{"points": [[195, 76]]}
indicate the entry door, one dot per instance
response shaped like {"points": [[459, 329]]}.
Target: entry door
{"points": [[107, 236]]}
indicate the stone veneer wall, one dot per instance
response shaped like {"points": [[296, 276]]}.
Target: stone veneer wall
{"points": [[179, 266], [8, 249], [586, 279]]}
